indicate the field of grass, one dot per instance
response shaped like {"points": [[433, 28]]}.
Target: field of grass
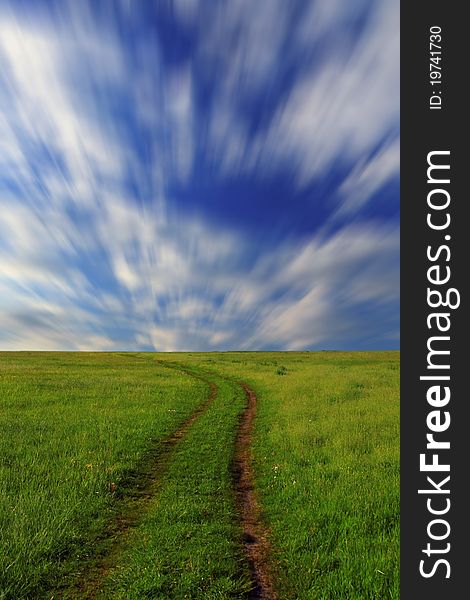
{"points": [[327, 457], [71, 426], [77, 429], [187, 546]]}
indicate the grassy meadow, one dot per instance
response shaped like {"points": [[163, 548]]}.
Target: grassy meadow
{"points": [[71, 426], [77, 428], [326, 450]]}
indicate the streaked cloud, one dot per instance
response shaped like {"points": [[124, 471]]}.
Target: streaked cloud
{"points": [[118, 139]]}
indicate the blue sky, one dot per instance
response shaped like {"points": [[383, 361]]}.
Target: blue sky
{"points": [[199, 175]]}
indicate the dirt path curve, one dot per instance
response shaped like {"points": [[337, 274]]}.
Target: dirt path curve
{"points": [[138, 491], [255, 534]]}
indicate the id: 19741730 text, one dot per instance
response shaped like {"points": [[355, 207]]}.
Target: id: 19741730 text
{"points": [[435, 67]]}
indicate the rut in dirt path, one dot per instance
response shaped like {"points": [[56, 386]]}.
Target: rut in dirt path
{"points": [[255, 534], [139, 490]]}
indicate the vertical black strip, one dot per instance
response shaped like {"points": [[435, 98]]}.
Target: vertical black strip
{"points": [[424, 130]]}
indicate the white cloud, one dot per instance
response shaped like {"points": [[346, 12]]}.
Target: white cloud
{"points": [[179, 108], [345, 105], [295, 296], [244, 42], [309, 294], [367, 177], [335, 111], [85, 263], [43, 108]]}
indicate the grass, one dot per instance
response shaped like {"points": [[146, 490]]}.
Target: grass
{"points": [[187, 545], [71, 426], [327, 462], [326, 450]]}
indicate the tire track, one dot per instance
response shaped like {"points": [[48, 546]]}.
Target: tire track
{"points": [[255, 534], [139, 489]]}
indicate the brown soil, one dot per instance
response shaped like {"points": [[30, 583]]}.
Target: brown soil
{"points": [[138, 490], [255, 534]]}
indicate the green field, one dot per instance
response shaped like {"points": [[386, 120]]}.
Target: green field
{"points": [[99, 497]]}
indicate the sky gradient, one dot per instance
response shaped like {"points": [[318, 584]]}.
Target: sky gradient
{"points": [[199, 175]]}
